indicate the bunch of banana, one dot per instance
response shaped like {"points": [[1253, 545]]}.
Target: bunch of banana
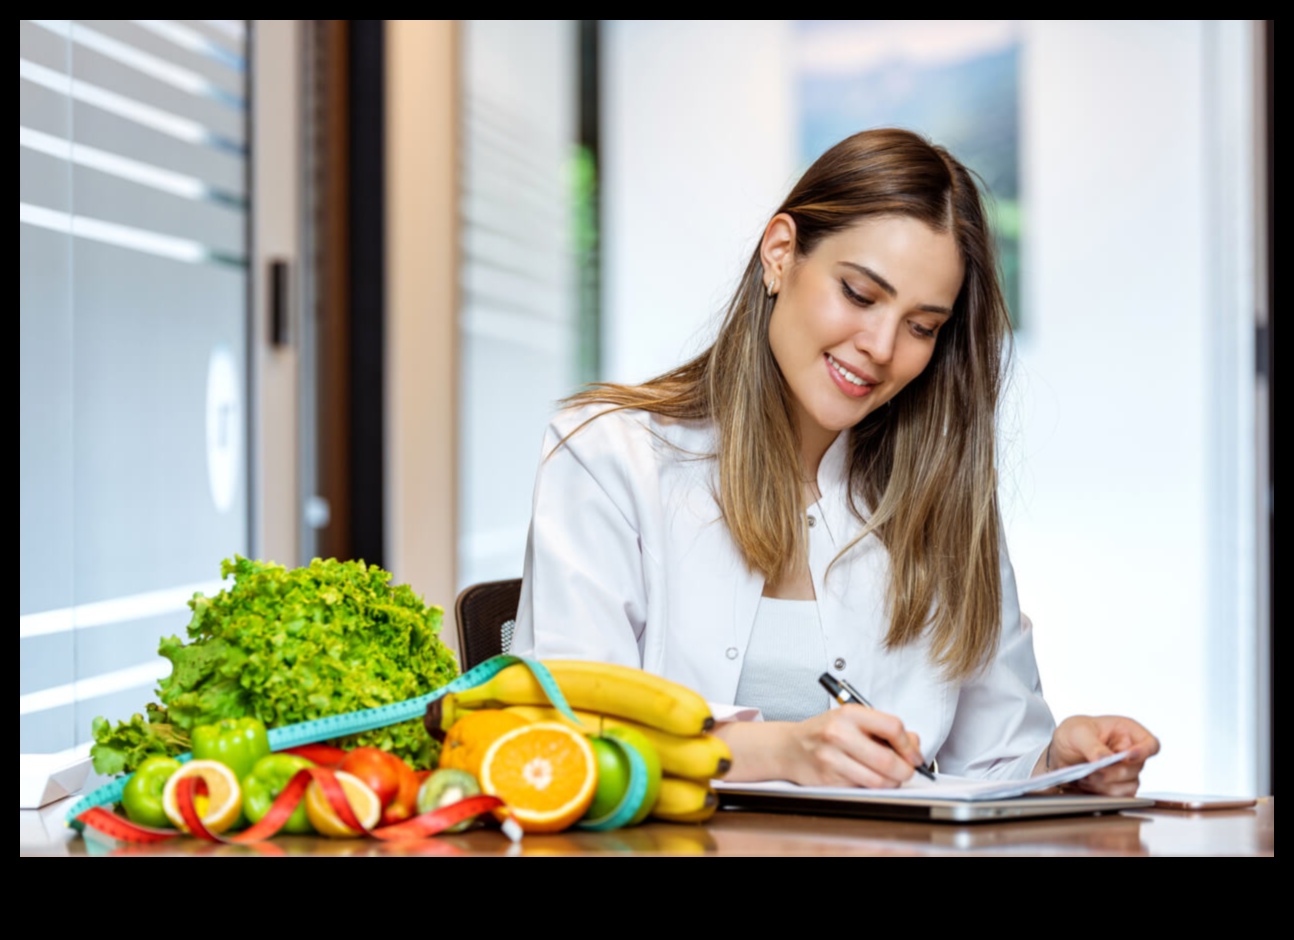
{"points": [[607, 688], [675, 719]]}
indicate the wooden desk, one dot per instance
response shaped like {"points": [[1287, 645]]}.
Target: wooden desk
{"points": [[1154, 832]]}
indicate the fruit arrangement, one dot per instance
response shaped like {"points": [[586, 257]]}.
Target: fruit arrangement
{"points": [[639, 746], [235, 789], [511, 747]]}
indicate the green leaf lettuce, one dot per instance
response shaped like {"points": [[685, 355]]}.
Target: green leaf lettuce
{"points": [[289, 645]]}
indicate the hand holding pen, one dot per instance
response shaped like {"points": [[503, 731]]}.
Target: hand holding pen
{"points": [[839, 747], [846, 694]]}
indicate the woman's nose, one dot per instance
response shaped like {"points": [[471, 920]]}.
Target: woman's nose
{"points": [[877, 338]]}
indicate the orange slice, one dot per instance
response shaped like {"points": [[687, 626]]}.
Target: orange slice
{"points": [[545, 772], [362, 799], [219, 809]]}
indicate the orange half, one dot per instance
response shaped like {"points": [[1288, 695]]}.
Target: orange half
{"points": [[545, 772]]}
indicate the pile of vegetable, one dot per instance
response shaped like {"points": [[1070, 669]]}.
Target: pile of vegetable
{"points": [[289, 645]]}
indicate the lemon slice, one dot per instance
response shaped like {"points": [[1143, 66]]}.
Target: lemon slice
{"points": [[219, 809], [365, 803]]}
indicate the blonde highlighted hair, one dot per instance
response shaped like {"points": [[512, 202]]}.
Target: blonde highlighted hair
{"points": [[922, 471]]}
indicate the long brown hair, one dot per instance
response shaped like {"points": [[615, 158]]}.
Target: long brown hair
{"points": [[922, 471]]}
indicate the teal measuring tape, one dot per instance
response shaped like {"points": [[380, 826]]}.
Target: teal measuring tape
{"points": [[336, 726], [369, 719], [635, 793]]}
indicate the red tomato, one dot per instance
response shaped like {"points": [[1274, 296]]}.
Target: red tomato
{"points": [[377, 768], [405, 803]]}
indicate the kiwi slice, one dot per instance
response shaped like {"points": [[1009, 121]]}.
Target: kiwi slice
{"points": [[445, 786]]}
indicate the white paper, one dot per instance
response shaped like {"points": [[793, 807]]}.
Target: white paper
{"points": [[724, 713], [945, 786], [44, 778]]}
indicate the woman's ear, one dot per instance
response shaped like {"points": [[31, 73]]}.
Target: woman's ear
{"points": [[777, 250]]}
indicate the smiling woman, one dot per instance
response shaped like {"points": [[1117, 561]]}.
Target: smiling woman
{"points": [[845, 338], [817, 492]]}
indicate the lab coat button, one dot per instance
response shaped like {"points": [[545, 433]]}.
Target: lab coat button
{"points": [[812, 520], [731, 652], [839, 663]]}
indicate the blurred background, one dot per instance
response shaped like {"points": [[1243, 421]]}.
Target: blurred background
{"points": [[305, 288]]}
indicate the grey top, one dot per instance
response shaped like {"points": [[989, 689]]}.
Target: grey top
{"points": [[785, 657]]}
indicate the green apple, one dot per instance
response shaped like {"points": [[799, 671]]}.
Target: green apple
{"points": [[613, 773]]}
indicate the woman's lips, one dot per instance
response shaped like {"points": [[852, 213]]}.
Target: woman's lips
{"points": [[852, 383]]}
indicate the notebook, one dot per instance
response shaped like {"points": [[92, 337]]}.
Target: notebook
{"points": [[947, 799]]}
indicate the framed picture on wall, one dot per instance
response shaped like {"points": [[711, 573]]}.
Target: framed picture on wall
{"points": [[955, 82]]}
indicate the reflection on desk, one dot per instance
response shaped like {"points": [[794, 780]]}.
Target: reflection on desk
{"points": [[1248, 832]]}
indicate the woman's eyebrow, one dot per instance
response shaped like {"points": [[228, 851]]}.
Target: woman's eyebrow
{"points": [[889, 288]]}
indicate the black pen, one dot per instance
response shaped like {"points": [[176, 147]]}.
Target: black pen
{"points": [[844, 693]]}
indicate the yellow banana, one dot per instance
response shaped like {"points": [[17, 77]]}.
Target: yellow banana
{"points": [[606, 688], [683, 800], [700, 756], [441, 715]]}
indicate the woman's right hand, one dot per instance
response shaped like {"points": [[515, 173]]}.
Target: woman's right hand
{"points": [[849, 746]]}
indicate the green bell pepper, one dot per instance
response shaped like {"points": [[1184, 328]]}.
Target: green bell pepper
{"points": [[142, 795], [267, 780], [238, 743]]}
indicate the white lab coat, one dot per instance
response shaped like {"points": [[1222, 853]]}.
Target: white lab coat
{"points": [[628, 561]]}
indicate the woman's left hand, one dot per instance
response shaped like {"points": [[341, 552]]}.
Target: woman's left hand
{"points": [[1083, 738]]}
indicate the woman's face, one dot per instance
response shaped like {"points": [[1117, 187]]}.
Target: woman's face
{"points": [[856, 319]]}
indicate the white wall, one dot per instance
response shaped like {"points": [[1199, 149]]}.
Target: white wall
{"points": [[1106, 485], [1127, 530], [697, 152]]}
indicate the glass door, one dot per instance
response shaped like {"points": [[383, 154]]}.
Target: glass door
{"points": [[136, 353]]}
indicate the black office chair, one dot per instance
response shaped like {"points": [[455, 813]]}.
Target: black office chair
{"points": [[486, 614]]}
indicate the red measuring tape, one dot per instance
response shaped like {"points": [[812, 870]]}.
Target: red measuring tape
{"points": [[109, 823]]}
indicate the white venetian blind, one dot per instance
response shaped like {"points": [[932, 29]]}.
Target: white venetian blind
{"points": [[519, 274], [134, 310]]}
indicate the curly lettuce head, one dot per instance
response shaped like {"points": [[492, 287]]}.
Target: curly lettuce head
{"points": [[289, 645]]}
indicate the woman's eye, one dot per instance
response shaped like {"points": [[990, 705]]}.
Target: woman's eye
{"points": [[854, 296], [924, 332]]}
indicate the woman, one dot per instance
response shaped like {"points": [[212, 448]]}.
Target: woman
{"points": [[816, 492]]}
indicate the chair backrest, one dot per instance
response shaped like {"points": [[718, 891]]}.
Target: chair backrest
{"points": [[486, 613]]}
